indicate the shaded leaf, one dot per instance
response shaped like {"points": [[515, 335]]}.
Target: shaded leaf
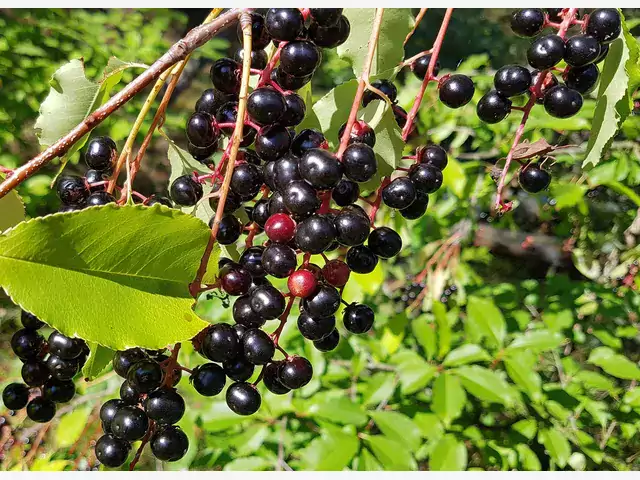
{"points": [[71, 426], [12, 209], [338, 410], [247, 464], [556, 444], [98, 359], [333, 450], [536, 341], [449, 454]]}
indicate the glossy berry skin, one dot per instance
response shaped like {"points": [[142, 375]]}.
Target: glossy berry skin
{"points": [[260, 37], [238, 369], [300, 198], [267, 302], [27, 344], [65, 347], [62, 369], [433, 155], [493, 107], [360, 133], [280, 228], [581, 50], [98, 199], [169, 444], [145, 376], [512, 80], [276, 204], [266, 106], [326, 16], [251, 260], [279, 260], [385, 86], [299, 58], [108, 412], [225, 75], [185, 191], [234, 279], [545, 52], [351, 228], [96, 176], [272, 142], [30, 321], [418, 208], [548, 83], [246, 181], [345, 193], [604, 24], [315, 328], [302, 283], [384, 242], [315, 234], [331, 36], [124, 359], [289, 82], [164, 406], [201, 130], [220, 343], [583, 79], [128, 394], [361, 259], [244, 315], [328, 343], [258, 348], [34, 373], [533, 179], [259, 58], [306, 140], [228, 113], [320, 168], [208, 379], [295, 111], [562, 102], [271, 379], [57, 391], [322, 303], [112, 452], [284, 171], [243, 398], [41, 410], [296, 372], [129, 423], [358, 318], [360, 164], [229, 230], [231, 205], [211, 100], [15, 396], [527, 22], [336, 273], [421, 65], [101, 153], [260, 213], [284, 24], [456, 91], [72, 190], [400, 193]]}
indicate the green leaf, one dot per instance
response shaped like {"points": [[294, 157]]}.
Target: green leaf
{"points": [[536, 341], [12, 209], [527, 428], [367, 462], [444, 329], [567, 194], [250, 440], [448, 398], [339, 410], [134, 263], [449, 454], [619, 78], [524, 376], [98, 359], [556, 444], [398, 427], [396, 24], [380, 387], [488, 318], [485, 384], [425, 333], [310, 119], [248, 464], [528, 458], [468, 353], [454, 177], [429, 425], [332, 451], [391, 454], [71, 426], [415, 376], [614, 364], [332, 110]]}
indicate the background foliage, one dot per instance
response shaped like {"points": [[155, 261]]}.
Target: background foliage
{"points": [[524, 353]]}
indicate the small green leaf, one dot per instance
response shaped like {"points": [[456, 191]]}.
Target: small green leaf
{"points": [[429, 425], [556, 444], [536, 341], [468, 353], [338, 410], [444, 329], [12, 209], [487, 316], [448, 398], [485, 384], [248, 464], [425, 333], [391, 454], [98, 359], [524, 376], [415, 376], [398, 427], [527, 428], [138, 281], [379, 387], [528, 458], [614, 364], [71, 426], [332, 451], [449, 454]]}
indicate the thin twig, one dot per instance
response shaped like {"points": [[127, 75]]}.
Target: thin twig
{"points": [[194, 39], [36, 444], [143, 443]]}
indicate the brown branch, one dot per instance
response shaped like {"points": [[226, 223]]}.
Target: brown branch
{"points": [[194, 39]]}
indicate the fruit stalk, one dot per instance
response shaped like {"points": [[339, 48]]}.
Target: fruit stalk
{"points": [[179, 51]]}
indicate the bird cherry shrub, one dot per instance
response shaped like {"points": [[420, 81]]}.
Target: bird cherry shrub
{"points": [[269, 215]]}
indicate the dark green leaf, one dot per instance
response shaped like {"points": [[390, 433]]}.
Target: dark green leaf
{"points": [[391, 454], [99, 358], [398, 427]]}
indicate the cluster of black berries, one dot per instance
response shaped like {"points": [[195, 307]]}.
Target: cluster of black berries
{"points": [[47, 371], [77, 192], [149, 406]]}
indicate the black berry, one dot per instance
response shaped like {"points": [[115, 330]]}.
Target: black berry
{"points": [[493, 107], [243, 398], [208, 379]]}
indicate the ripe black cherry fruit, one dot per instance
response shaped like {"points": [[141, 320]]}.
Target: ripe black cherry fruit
{"points": [[229, 230], [533, 179], [225, 75], [243, 398], [65, 347], [284, 24], [296, 372], [456, 91], [129, 423], [328, 343], [512, 80], [330, 36], [41, 410], [57, 391], [582, 79], [238, 369], [299, 58], [272, 142], [493, 107], [324, 302], [527, 22], [186, 191], [246, 181], [72, 190], [562, 102], [267, 302], [360, 133], [359, 162], [421, 65], [352, 228], [266, 106], [208, 379], [433, 155], [300, 198], [112, 452], [271, 379], [108, 412], [361, 259], [260, 37], [101, 153], [164, 406], [358, 318], [220, 343], [169, 444], [145, 376], [34, 373], [234, 279], [306, 140], [258, 348], [259, 58], [302, 283], [385, 86], [201, 130], [315, 328], [326, 17], [400, 193], [315, 234], [604, 24], [384, 242], [345, 193], [295, 111], [545, 52], [124, 359], [279, 260], [581, 50], [27, 344], [15, 396]]}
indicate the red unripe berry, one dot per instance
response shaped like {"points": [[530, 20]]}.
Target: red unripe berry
{"points": [[336, 273], [302, 283], [315, 269], [234, 279], [280, 228]]}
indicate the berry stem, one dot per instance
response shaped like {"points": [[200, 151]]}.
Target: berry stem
{"points": [[437, 45], [364, 80], [178, 51], [143, 443], [266, 73], [236, 139], [376, 204], [6, 170], [419, 18], [171, 365]]}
